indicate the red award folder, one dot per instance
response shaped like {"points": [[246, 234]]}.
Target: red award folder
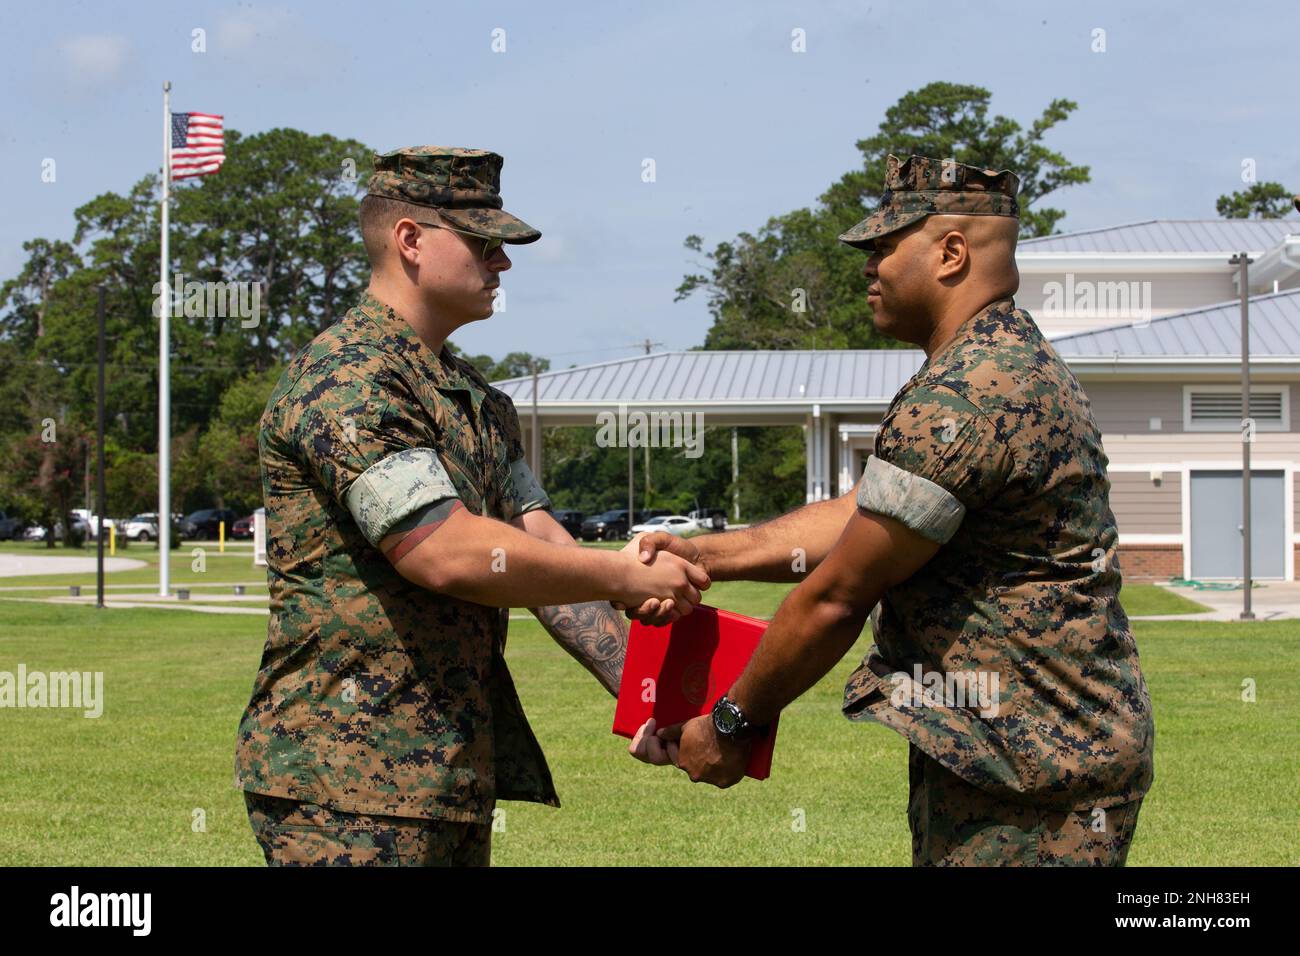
{"points": [[677, 672]]}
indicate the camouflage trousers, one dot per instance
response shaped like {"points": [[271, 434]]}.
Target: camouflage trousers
{"points": [[955, 823], [294, 833]]}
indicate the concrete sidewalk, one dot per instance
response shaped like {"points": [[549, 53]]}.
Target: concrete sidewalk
{"points": [[172, 605], [22, 565], [1271, 601]]}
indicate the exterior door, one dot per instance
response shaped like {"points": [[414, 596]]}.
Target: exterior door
{"points": [[1216, 524]]}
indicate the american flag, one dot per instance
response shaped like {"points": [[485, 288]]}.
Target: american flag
{"points": [[198, 144]]}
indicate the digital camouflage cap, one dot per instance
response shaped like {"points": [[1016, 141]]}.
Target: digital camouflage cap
{"points": [[918, 186], [464, 185]]}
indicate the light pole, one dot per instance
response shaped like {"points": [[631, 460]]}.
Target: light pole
{"points": [[1242, 261]]}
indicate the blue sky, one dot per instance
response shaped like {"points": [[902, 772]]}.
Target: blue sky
{"points": [[739, 126]]}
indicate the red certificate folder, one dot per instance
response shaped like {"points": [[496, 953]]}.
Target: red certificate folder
{"points": [[677, 672]]}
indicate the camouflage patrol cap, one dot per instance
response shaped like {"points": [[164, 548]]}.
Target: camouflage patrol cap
{"points": [[918, 186], [464, 185]]}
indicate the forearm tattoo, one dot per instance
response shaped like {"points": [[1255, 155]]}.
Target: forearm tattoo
{"points": [[593, 633]]}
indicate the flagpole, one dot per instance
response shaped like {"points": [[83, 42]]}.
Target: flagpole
{"points": [[164, 368]]}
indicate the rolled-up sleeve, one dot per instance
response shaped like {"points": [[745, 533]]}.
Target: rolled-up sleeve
{"points": [[920, 504], [523, 491], [396, 487], [527, 493], [359, 428], [937, 457]]}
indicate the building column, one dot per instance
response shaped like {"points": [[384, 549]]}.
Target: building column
{"points": [[809, 433], [825, 485], [846, 464], [817, 454]]}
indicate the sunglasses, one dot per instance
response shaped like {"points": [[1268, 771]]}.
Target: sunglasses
{"points": [[490, 243]]}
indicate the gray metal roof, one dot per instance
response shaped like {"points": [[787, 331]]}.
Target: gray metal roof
{"points": [[1170, 237], [856, 375], [868, 376], [1212, 331]]}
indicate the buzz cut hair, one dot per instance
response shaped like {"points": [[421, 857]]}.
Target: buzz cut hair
{"points": [[378, 215]]}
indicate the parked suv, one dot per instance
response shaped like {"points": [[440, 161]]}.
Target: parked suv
{"points": [[571, 521], [144, 527], [612, 525], [203, 523], [141, 527], [11, 529], [607, 526]]}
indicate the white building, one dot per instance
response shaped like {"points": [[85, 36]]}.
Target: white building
{"points": [[1148, 318]]}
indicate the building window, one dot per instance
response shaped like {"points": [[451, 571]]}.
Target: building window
{"points": [[1217, 408]]}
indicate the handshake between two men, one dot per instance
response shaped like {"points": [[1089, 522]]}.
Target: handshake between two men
{"points": [[843, 558]]}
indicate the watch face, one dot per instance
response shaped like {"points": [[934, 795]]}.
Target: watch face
{"points": [[726, 720]]}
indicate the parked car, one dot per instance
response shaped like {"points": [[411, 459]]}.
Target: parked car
{"points": [[91, 521], [242, 529], [714, 519], [571, 521], [37, 532], [203, 523], [673, 524], [607, 526], [141, 527], [11, 529], [144, 527]]}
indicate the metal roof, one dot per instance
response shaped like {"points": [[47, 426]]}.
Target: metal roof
{"points": [[869, 376], [855, 375], [1170, 237], [1211, 331]]}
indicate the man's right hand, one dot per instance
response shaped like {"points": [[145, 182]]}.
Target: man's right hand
{"points": [[670, 582], [647, 548]]}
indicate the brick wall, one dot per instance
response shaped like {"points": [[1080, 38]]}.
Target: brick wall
{"points": [[1151, 562]]}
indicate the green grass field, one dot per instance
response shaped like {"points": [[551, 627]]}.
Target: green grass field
{"points": [[123, 788]]}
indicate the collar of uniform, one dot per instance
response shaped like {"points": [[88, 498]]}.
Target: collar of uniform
{"points": [[962, 333], [443, 370]]}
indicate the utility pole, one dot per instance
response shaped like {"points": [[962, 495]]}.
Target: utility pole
{"points": [[1242, 262], [647, 345], [735, 476], [101, 512], [536, 437]]}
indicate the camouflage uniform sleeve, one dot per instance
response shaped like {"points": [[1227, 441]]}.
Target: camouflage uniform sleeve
{"points": [[524, 491], [936, 457], [361, 432]]}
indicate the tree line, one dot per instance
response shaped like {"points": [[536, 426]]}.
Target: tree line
{"points": [[283, 212]]}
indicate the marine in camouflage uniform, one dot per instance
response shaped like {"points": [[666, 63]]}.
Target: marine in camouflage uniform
{"points": [[1001, 651], [991, 449], [384, 724]]}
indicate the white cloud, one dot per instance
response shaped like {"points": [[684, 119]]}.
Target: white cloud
{"points": [[275, 41], [95, 57], [237, 32]]}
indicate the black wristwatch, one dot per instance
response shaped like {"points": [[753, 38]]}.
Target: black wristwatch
{"points": [[730, 721]]}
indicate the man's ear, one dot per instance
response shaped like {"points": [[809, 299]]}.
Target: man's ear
{"points": [[406, 240], [954, 254]]}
